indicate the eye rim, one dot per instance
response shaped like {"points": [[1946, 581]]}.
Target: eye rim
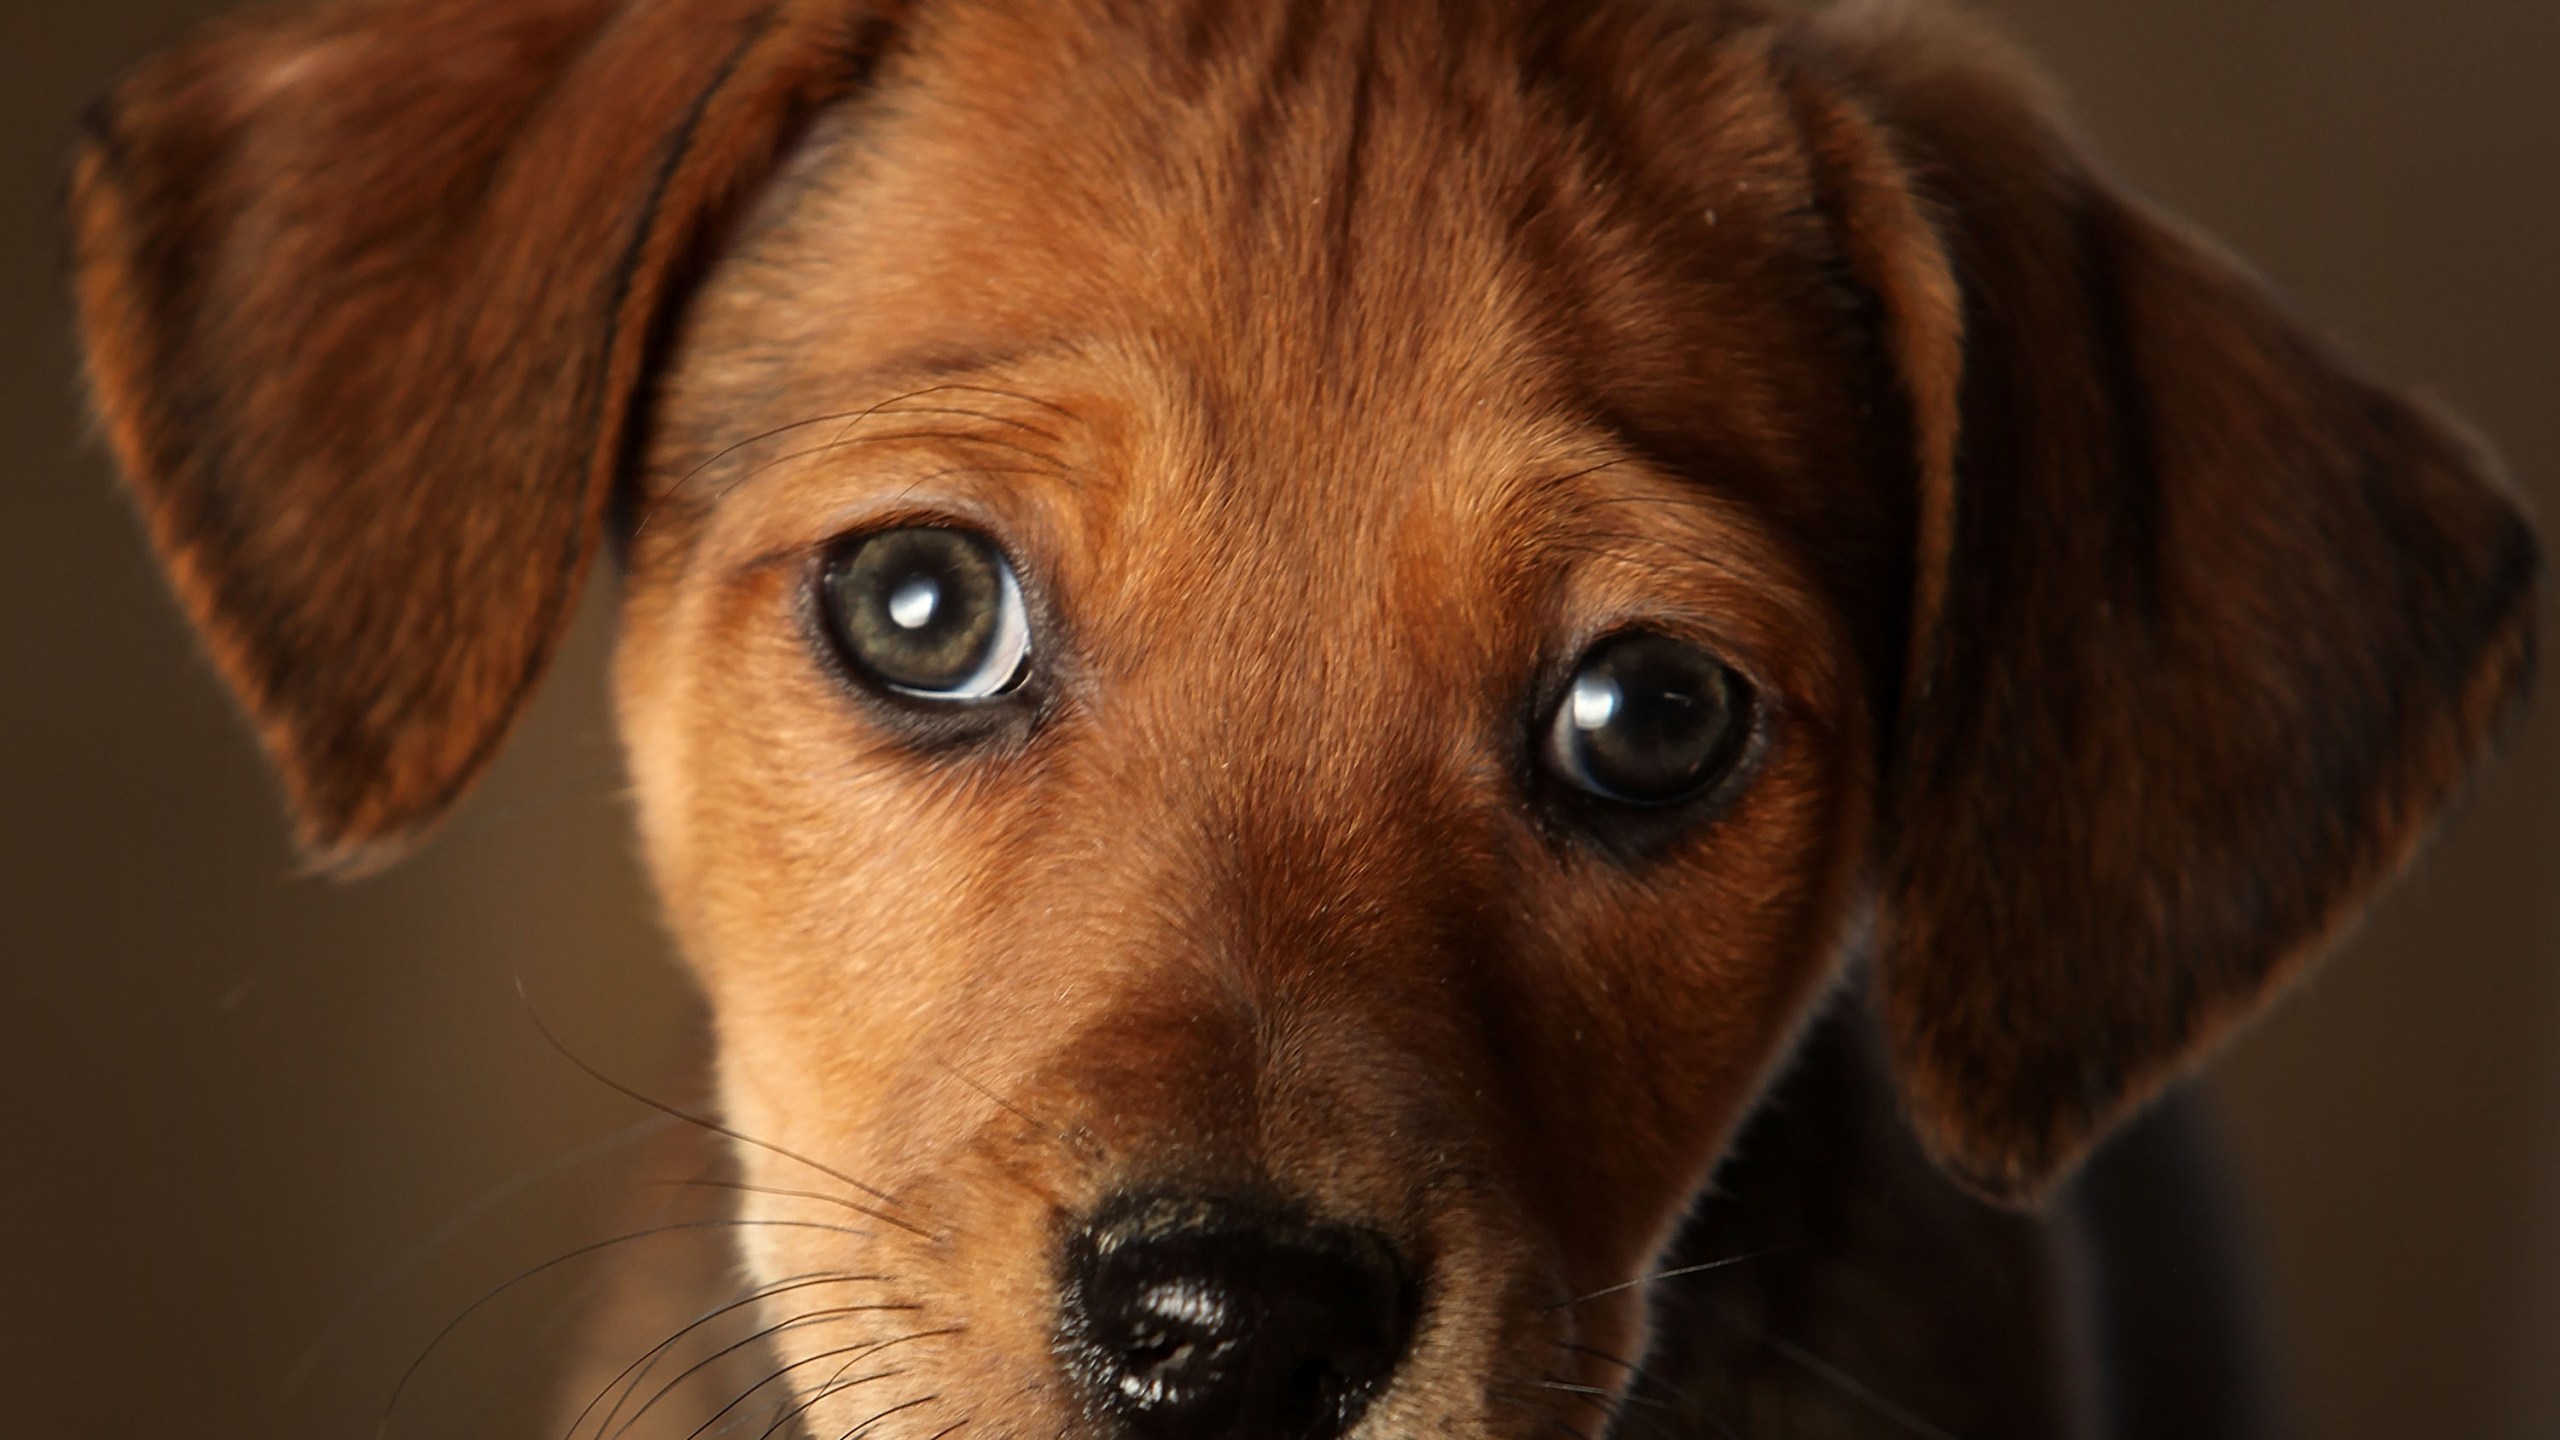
{"points": [[929, 716], [1602, 809]]}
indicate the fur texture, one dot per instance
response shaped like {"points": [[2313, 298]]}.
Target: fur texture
{"points": [[1332, 373]]}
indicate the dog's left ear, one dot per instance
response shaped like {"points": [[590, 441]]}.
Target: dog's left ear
{"points": [[369, 291], [2208, 628]]}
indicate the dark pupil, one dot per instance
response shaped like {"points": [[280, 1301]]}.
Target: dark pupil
{"points": [[918, 608], [1652, 719]]}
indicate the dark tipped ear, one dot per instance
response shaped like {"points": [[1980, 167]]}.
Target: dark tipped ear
{"points": [[367, 291], [2208, 626]]}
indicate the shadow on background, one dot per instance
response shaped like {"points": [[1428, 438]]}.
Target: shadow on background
{"points": [[249, 1115]]}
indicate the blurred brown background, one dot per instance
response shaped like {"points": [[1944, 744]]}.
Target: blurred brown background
{"points": [[245, 1116]]}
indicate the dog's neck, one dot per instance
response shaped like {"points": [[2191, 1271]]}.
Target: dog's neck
{"points": [[1788, 1303]]}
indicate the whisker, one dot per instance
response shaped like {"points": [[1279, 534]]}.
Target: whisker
{"points": [[309, 1361], [991, 418], [1050, 406], [738, 1425], [1593, 1396], [810, 1317], [398, 1391], [885, 1414], [885, 407], [1025, 451], [638, 1369], [836, 1384], [668, 495], [1598, 1354], [742, 1187], [855, 1352], [717, 1128], [1855, 1389], [1688, 1407], [1638, 1378], [1661, 1275], [1586, 471], [831, 1386], [1599, 1397], [743, 1396]]}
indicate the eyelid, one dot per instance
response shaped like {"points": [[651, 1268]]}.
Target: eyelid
{"points": [[954, 498]]}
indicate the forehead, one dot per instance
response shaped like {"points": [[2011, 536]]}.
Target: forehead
{"points": [[1339, 208], [1338, 268]]}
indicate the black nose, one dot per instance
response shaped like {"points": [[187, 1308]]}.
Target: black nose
{"points": [[1191, 1319]]}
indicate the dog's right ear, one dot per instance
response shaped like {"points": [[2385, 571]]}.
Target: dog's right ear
{"points": [[2207, 627], [369, 292]]}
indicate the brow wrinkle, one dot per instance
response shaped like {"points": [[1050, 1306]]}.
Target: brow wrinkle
{"points": [[1050, 465], [894, 404]]}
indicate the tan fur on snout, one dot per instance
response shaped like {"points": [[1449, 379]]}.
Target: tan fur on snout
{"points": [[1333, 375]]}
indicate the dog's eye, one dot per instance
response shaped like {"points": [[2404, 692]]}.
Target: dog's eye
{"points": [[1649, 720], [928, 612]]}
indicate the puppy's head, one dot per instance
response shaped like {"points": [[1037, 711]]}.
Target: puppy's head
{"points": [[1269, 654]]}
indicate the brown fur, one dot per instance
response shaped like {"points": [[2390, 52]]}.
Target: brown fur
{"points": [[1333, 371], [370, 290]]}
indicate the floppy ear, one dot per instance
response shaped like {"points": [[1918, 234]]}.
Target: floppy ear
{"points": [[2208, 627], [369, 291]]}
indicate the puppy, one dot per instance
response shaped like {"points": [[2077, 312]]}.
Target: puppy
{"points": [[1274, 656]]}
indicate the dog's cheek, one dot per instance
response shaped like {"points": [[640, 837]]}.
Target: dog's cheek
{"points": [[650, 663], [811, 868], [1670, 994]]}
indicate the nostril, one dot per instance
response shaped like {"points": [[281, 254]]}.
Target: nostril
{"points": [[1190, 1319]]}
